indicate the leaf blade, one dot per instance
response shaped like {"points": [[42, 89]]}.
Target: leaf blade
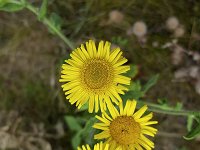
{"points": [[72, 123], [152, 81], [11, 6], [43, 10]]}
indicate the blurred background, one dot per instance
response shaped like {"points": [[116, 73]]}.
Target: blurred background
{"points": [[158, 36]]}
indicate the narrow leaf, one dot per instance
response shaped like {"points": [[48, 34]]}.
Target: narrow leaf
{"points": [[133, 71], [9, 6], [56, 21], [132, 95], [193, 133], [3, 2], [88, 131], [134, 92], [23, 1], [190, 120], [72, 123], [178, 106], [88, 125], [84, 107], [85, 132], [135, 86], [153, 80], [76, 140], [43, 10]]}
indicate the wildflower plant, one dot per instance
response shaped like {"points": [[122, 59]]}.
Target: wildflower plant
{"points": [[94, 78]]}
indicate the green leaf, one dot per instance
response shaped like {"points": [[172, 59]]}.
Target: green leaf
{"points": [[133, 71], [11, 6], [23, 1], [88, 131], [72, 123], [43, 10], [163, 101], [178, 106], [3, 2], [84, 107], [56, 21], [193, 133], [119, 40], [88, 125], [134, 92], [135, 86], [133, 95], [197, 117], [190, 120], [76, 140], [152, 81], [85, 132]]}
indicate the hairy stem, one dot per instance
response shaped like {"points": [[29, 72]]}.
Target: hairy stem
{"points": [[171, 111], [47, 22]]}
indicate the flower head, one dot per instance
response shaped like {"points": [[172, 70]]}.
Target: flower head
{"points": [[94, 75], [126, 129], [98, 146]]}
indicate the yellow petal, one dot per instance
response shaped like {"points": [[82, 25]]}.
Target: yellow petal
{"points": [[140, 112]]}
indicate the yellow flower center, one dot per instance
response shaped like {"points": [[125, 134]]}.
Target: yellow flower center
{"points": [[97, 74], [125, 130]]}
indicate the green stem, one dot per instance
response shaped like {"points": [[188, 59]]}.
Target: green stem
{"points": [[177, 113], [47, 22], [171, 111]]}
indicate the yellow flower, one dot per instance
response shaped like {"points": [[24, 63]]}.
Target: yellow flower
{"points": [[98, 146], [94, 75], [124, 129]]}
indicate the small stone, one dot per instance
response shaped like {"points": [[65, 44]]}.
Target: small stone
{"points": [[166, 45], [196, 56], [177, 55], [172, 23], [181, 73], [116, 16], [197, 86], [179, 32], [155, 44], [139, 29], [129, 31], [8, 141], [194, 71]]}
